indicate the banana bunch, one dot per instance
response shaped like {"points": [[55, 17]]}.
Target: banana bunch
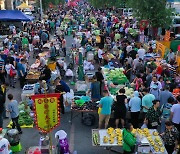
{"points": [[113, 134]]}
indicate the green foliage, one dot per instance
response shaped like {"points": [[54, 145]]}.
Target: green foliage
{"points": [[45, 3], [108, 3], [154, 11]]}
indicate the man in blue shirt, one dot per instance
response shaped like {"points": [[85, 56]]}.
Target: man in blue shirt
{"points": [[105, 105], [21, 69], [14, 112], [65, 86]]}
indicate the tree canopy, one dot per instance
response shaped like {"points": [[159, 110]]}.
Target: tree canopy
{"points": [[155, 11], [108, 3]]}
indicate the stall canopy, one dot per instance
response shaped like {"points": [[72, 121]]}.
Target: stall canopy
{"points": [[23, 6], [14, 15]]}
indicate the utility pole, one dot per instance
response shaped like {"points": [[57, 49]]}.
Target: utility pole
{"points": [[41, 12]]}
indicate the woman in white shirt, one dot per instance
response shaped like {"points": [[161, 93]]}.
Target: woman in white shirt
{"points": [[8, 67]]}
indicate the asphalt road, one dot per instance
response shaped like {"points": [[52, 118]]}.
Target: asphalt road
{"points": [[79, 135]]}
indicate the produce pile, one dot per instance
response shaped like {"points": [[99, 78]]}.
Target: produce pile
{"points": [[113, 135], [116, 75], [24, 115], [129, 92], [87, 106], [153, 139], [107, 137]]}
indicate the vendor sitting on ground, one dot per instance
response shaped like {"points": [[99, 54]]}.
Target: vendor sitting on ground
{"points": [[46, 74]]}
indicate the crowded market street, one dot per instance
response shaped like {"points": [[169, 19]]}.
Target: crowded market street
{"points": [[82, 77]]}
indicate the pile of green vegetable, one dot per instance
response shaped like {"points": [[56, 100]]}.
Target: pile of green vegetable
{"points": [[116, 76], [24, 114], [25, 119]]}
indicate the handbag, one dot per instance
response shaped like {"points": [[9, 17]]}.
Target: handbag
{"points": [[12, 72]]}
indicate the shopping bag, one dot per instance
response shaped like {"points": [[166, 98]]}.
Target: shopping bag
{"points": [[144, 126], [12, 72], [99, 110]]}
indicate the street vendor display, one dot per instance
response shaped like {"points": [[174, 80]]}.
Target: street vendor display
{"points": [[82, 105], [148, 140], [115, 75]]}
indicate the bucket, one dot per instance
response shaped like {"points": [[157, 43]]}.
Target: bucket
{"points": [[63, 142]]}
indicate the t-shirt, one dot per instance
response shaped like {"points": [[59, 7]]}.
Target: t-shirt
{"points": [[100, 52], [141, 53], [106, 103], [147, 101], [176, 113], [13, 108], [4, 143]]}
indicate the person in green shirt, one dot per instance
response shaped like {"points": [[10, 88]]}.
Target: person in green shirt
{"points": [[25, 41], [117, 36], [129, 139]]}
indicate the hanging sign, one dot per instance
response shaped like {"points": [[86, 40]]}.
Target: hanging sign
{"points": [[47, 115]]}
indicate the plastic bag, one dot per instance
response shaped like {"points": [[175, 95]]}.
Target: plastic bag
{"points": [[144, 126]]}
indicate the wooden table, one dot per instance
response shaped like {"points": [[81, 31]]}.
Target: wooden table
{"points": [[80, 112]]}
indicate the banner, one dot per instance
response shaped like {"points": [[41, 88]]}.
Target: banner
{"points": [[47, 115], [160, 49], [167, 35]]}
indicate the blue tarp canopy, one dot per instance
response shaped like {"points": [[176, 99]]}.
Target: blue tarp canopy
{"points": [[14, 15]]}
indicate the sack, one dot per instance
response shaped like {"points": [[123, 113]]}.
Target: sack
{"points": [[12, 72]]}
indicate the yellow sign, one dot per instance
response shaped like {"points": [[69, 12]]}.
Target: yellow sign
{"points": [[46, 111]]}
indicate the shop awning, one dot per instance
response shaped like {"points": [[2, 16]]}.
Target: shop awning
{"points": [[14, 15], [23, 6]]}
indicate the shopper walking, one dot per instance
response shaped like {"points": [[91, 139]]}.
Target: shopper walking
{"points": [[105, 105], [170, 137], [14, 112], [175, 114], [21, 69], [135, 107], [120, 108], [10, 70], [152, 118]]}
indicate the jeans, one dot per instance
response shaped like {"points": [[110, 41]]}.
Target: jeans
{"points": [[16, 124], [1, 119], [11, 80]]}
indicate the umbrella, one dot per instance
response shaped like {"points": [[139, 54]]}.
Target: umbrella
{"points": [[23, 6]]}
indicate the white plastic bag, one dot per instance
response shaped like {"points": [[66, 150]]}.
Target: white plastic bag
{"points": [[144, 126]]}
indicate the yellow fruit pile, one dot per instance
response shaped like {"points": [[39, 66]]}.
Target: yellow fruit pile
{"points": [[113, 134]]}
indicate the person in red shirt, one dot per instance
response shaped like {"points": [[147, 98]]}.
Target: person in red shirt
{"points": [[159, 70]]}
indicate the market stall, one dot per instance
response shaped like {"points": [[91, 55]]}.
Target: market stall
{"points": [[148, 140], [81, 105]]}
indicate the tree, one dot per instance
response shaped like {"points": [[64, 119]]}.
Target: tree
{"points": [[46, 3], [108, 3], [154, 11]]}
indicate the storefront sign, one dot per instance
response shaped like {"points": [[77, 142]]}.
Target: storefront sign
{"points": [[47, 114]]}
